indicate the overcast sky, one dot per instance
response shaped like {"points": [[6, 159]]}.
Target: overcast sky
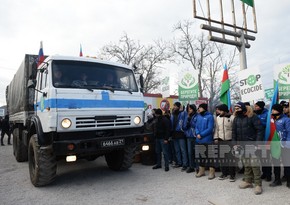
{"points": [[63, 25]]}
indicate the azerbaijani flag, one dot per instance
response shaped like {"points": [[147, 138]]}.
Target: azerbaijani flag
{"points": [[271, 136], [81, 51], [249, 2], [225, 96], [40, 55]]}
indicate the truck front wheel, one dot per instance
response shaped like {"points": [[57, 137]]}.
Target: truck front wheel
{"points": [[42, 163], [121, 159], [19, 149]]}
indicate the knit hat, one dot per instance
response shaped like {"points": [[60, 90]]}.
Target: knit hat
{"points": [[247, 104], [278, 108], [282, 102], [193, 107], [178, 104], [286, 104], [242, 106], [204, 106], [158, 111], [223, 107], [261, 104]]}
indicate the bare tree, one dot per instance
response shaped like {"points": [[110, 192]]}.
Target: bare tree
{"points": [[192, 49], [206, 57], [145, 60]]}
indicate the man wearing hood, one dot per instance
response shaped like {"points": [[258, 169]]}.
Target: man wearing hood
{"points": [[247, 128]]}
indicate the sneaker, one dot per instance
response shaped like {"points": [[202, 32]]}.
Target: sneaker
{"points": [[222, 177], [245, 185], [189, 170], [166, 169], [232, 179], [183, 169], [258, 190], [2, 145], [156, 167]]}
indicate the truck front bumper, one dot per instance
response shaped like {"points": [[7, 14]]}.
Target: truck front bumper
{"points": [[90, 143]]}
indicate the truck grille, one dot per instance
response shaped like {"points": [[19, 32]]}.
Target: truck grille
{"points": [[102, 121]]}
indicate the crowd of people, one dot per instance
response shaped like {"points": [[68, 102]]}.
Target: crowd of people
{"points": [[189, 136]]}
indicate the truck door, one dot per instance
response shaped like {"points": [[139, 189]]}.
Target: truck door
{"points": [[41, 97]]}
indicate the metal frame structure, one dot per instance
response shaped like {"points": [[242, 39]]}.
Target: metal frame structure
{"points": [[238, 32]]}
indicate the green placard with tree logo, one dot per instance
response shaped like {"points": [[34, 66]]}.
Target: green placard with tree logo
{"points": [[188, 86], [282, 74]]}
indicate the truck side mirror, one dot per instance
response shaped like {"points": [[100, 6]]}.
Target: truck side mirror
{"points": [[31, 83]]}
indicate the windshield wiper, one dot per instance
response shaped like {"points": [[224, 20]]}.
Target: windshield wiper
{"points": [[108, 88]]}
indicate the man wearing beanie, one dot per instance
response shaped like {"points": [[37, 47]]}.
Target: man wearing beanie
{"points": [[262, 112], [189, 131], [247, 129], [223, 136], [161, 133], [282, 123], [286, 109], [204, 136], [177, 118]]}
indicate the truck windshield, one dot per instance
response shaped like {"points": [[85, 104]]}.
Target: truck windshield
{"points": [[89, 75]]}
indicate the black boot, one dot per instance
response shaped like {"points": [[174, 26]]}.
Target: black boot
{"points": [[288, 182], [276, 182]]}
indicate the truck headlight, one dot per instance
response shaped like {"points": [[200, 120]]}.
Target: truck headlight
{"points": [[66, 123], [137, 120]]}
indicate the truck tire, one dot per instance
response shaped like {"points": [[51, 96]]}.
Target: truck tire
{"points": [[119, 160], [42, 163], [19, 149]]}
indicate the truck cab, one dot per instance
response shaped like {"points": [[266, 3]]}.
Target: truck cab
{"points": [[81, 108]]}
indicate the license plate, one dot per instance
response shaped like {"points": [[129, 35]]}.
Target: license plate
{"points": [[113, 143]]}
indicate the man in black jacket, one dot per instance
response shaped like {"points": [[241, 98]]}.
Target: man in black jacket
{"points": [[161, 131], [5, 130], [248, 130]]}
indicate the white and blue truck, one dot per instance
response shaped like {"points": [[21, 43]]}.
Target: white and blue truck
{"points": [[57, 115]]}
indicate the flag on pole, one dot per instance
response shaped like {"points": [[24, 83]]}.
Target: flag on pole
{"points": [[271, 136], [249, 2], [225, 96], [40, 55], [81, 50]]}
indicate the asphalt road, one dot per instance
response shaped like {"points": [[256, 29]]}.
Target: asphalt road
{"points": [[93, 182]]}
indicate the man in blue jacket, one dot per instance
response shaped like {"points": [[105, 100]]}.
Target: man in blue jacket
{"points": [[177, 118], [204, 136], [282, 123], [189, 131], [262, 113]]}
